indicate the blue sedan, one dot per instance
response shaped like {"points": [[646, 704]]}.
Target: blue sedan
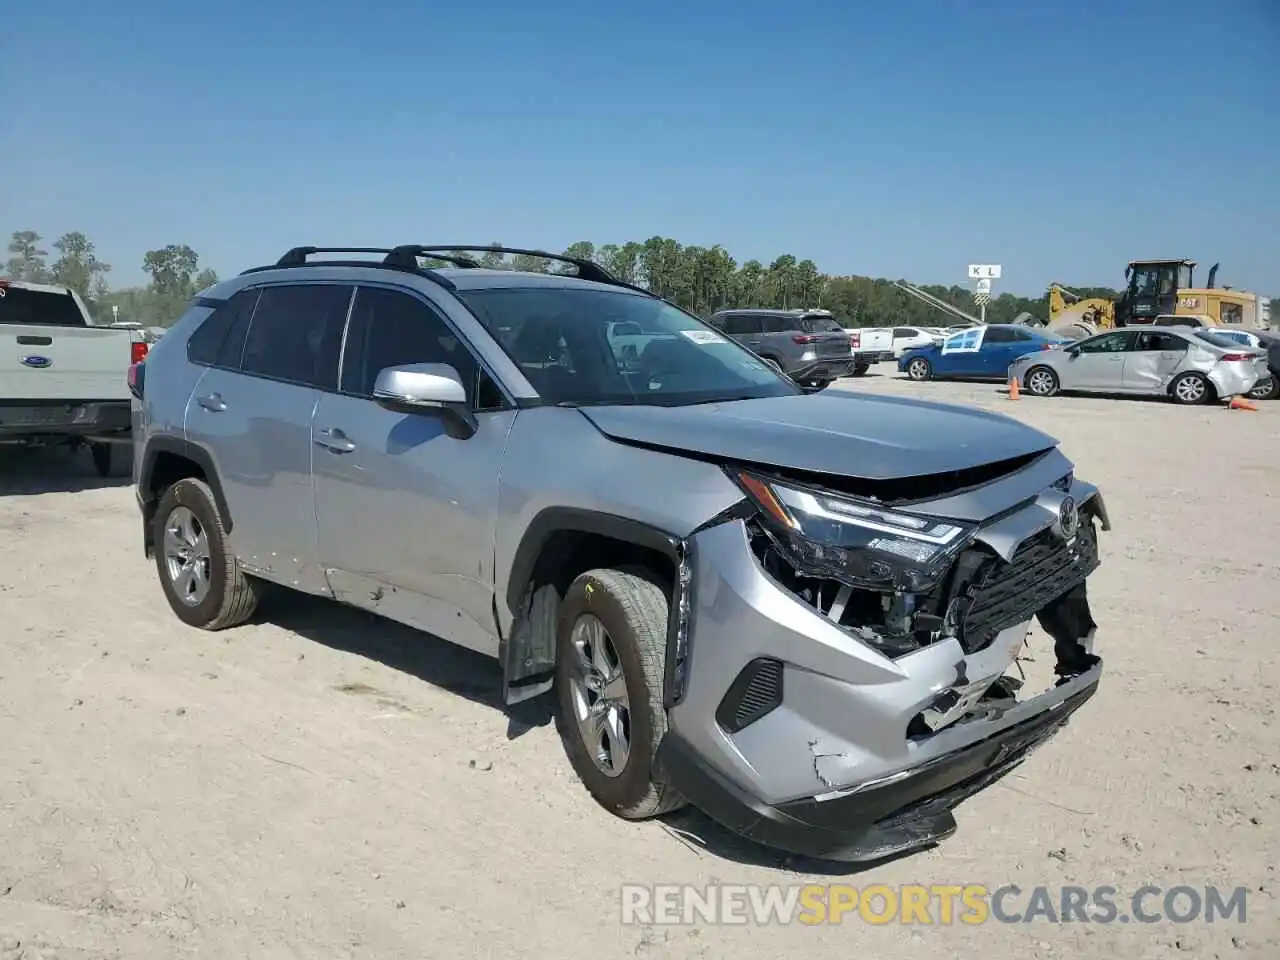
{"points": [[976, 353]]}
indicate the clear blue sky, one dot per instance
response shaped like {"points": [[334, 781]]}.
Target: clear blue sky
{"points": [[1060, 138]]}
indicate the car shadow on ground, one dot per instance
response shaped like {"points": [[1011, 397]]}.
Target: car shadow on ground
{"points": [[478, 678], [29, 471], [442, 664], [701, 834]]}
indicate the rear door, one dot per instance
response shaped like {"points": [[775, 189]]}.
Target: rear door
{"points": [[960, 354], [252, 409], [48, 350], [1156, 358]]}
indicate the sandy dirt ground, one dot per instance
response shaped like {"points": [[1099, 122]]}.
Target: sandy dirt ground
{"points": [[324, 784]]}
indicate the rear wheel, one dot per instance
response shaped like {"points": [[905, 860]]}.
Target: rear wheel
{"points": [[1041, 382], [918, 368], [610, 667], [203, 583], [860, 369], [1266, 391], [1190, 388]]}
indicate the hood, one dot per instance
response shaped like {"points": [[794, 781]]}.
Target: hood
{"points": [[844, 434]]}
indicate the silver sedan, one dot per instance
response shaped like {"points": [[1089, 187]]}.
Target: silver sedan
{"points": [[1188, 365]]}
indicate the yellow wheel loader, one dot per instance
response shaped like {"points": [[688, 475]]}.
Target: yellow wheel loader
{"points": [[1156, 288]]}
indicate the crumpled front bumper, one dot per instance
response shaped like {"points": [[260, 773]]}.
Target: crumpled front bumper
{"points": [[838, 766], [883, 818]]}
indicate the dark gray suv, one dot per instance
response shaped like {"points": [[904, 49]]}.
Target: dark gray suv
{"points": [[809, 346]]}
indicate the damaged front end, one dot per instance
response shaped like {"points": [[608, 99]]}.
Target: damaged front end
{"points": [[899, 581]]}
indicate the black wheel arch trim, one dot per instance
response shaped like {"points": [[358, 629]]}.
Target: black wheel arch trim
{"points": [[554, 520], [188, 450]]}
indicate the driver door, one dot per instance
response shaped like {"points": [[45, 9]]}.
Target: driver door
{"points": [[1098, 363]]}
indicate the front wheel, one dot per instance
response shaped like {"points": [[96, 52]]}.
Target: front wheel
{"points": [[918, 369], [1041, 382], [203, 583], [1190, 388], [610, 668]]}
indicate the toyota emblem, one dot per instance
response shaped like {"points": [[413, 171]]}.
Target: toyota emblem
{"points": [[1068, 518]]}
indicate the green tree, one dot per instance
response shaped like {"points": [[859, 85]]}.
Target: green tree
{"points": [[26, 259], [172, 268], [78, 267]]}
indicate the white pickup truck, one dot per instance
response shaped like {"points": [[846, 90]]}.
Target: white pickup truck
{"points": [[870, 345], [63, 378]]}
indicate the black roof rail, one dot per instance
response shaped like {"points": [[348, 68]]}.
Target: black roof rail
{"points": [[297, 257], [587, 269]]}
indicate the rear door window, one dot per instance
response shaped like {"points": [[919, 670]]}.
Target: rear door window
{"points": [[776, 324], [296, 333]]}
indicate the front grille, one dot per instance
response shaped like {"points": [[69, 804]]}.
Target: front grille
{"points": [[1043, 569], [755, 692]]}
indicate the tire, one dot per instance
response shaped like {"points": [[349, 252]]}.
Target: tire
{"points": [[918, 368], [1266, 392], [231, 596], [1190, 389], [1040, 382], [632, 612], [101, 454], [860, 369]]}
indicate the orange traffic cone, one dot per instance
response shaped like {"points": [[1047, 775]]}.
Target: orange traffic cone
{"points": [[1013, 388], [1240, 403]]}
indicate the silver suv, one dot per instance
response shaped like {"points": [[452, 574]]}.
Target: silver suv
{"points": [[797, 612]]}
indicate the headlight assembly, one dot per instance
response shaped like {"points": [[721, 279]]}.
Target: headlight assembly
{"points": [[854, 541]]}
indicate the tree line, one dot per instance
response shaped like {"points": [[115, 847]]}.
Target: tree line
{"points": [[700, 279]]}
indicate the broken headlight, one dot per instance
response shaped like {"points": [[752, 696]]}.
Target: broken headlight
{"points": [[857, 542]]}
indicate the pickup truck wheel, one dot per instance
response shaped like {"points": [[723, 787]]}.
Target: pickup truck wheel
{"points": [[202, 581], [101, 453], [919, 369], [860, 369], [610, 667]]}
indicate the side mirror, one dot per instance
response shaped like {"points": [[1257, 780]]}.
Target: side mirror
{"points": [[425, 388]]}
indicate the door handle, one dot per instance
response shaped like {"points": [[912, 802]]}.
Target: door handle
{"points": [[754, 343], [213, 403], [335, 440]]}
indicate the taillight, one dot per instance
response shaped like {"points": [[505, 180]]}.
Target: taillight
{"points": [[137, 377], [1231, 357], [804, 338], [138, 351], [855, 340]]}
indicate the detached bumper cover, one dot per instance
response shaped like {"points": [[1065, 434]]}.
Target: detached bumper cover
{"points": [[909, 810]]}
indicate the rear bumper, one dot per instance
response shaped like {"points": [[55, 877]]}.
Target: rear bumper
{"points": [[824, 370], [873, 356], [22, 420], [879, 819]]}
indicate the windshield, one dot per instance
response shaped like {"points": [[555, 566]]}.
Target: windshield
{"points": [[21, 305], [580, 345], [1218, 339]]}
